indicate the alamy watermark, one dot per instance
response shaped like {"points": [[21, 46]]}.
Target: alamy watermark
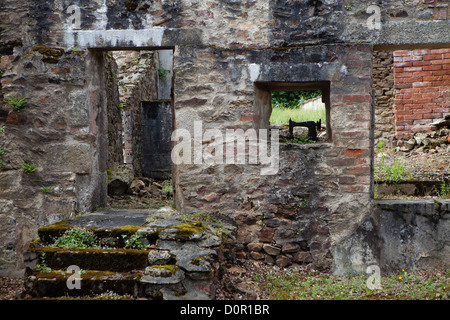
{"points": [[74, 281], [374, 21], [374, 280], [211, 147]]}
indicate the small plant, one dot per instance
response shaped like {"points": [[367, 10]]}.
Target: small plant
{"points": [[303, 139], [388, 169], [162, 73], [45, 189], [28, 168], [43, 266], [111, 295], [17, 103], [444, 190], [121, 106], [134, 241], [349, 6], [167, 186], [77, 237]]}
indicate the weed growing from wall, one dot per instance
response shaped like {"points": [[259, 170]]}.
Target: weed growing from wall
{"points": [[17, 103]]}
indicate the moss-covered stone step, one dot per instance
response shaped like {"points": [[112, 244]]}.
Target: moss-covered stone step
{"points": [[59, 283], [123, 260]]}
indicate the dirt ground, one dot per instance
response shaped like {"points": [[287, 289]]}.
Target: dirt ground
{"points": [[429, 165], [11, 289]]}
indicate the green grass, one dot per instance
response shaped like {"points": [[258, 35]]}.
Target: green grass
{"points": [[387, 167], [281, 115], [293, 285]]}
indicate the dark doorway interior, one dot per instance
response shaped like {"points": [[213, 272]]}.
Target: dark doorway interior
{"points": [[156, 122]]}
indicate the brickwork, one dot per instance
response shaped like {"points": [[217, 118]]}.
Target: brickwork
{"points": [[422, 84]]}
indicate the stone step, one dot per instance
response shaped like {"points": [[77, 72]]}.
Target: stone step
{"points": [[174, 258], [61, 284], [165, 282], [123, 260]]}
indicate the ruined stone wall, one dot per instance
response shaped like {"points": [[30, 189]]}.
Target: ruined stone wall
{"points": [[316, 188], [383, 86], [222, 51], [115, 126]]}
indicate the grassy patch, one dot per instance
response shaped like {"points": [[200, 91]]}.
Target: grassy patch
{"points": [[389, 168], [281, 115], [292, 285]]}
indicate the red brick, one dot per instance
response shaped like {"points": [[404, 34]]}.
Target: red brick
{"points": [[401, 112], [421, 101], [446, 66], [398, 70], [432, 89], [440, 72], [442, 61], [432, 67], [446, 55], [434, 116], [431, 94], [413, 117], [402, 85], [346, 179], [400, 53], [412, 69], [403, 64], [422, 73], [432, 57], [410, 79], [353, 152], [404, 101], [421, 52], [420, 112], [422, 63], [249, 117], [403, 75], [433, 51], [433, 78], [421, 84], [410, 90]]}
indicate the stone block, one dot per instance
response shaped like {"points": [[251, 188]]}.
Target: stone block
{"points": [[283, 261], [78, 109], [302, 257], [290, 247], [10, 182], [255, 246], [272, 250], [69, 157]]}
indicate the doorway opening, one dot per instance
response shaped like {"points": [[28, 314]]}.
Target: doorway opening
{"points": [[140, 121]]}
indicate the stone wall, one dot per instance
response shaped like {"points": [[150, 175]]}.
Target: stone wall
{"points": [[383, 86], [223, 50], [422, 82], [115, 125], [408, 235]]}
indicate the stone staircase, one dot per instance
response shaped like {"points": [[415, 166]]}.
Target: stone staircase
{"points": [[150, 254]]}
